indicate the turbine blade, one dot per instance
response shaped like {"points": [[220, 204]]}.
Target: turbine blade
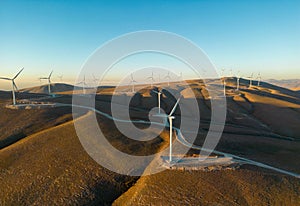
{"points": [[18, 73], [175, 106], [5, 78], [15, 86], [50, 74], [160, 115]]}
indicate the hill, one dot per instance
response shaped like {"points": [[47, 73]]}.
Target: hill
{"points": [[293, 84], [55, 88], [261, 125], [246, 186]]}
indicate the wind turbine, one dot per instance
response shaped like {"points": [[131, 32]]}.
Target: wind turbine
{"points": [[168, 77], [49, 81], [180, 76], [251, 77], [231, 73], [222, 72], [60, 77], [83, 83], [158, 96], [14, 86], [132, 82], [170, 117], [95, 79], [152, 79], [259, 79], [238, 81]]}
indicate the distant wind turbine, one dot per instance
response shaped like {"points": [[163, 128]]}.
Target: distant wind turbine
{"points": [[168, 77], [251, 79], [180, 76], [222, 72], [96, 80], [83, 84], [238, 81], [49, 81], [14, 86], [170, 117], [132, 82], [60, 77], [259, 79], [224, 85], [152, 79], [231, 73]]}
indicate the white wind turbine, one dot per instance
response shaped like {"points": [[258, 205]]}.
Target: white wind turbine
{"points": [[152, 79], [60, 77], [168, 77], [180, 76], [224, 81], [49, 81], [259, 79], [222, 72], [14, 86], [83, 84], [251, 79], [238, 81], [170, 117], [158, 98], [132, 82], [231, 73], [96, 80]]}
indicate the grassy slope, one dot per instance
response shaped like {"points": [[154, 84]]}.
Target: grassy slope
{"points": [[240, 187], [51, 167], [17, 124]]}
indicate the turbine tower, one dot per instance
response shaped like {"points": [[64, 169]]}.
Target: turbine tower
{"points": [[222, 72], [83, 83], [158, 96], [259, 79], [49, 81], [14, 86], [168, 77], [152, 79], [231, 73], [238, 81], [180, 76], [251, 79], [132, 82]]}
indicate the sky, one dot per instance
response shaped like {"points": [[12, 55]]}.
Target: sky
{"points": [[249, 36]]}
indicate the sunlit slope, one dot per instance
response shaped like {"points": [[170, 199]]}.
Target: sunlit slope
{"points": [[51, 167], [239, 187]]}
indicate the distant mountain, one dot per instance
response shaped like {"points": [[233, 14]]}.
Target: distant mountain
{"points": [[293, 84]]}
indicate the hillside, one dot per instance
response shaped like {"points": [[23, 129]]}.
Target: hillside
{"points": [[293, 84], [261, 125], [51, 167], [246, 186], [55, 88]]}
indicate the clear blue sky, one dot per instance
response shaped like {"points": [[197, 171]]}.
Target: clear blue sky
{"points": [[244, 35]]}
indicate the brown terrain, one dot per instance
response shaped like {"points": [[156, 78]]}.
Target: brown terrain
{"points": [[43, 163]]}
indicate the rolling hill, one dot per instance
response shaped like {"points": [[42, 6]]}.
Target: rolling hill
{"points": [[48, 165]]}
